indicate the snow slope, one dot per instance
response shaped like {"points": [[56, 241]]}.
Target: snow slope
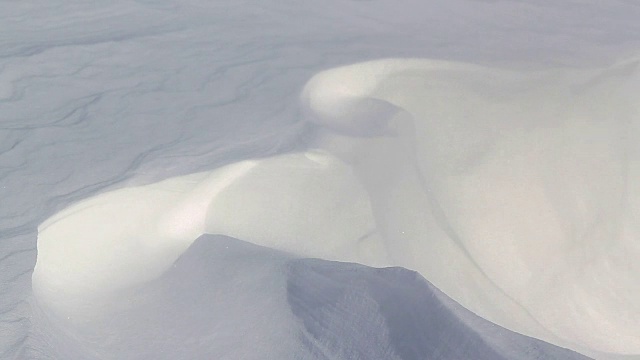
{"points": [[110, 95]]}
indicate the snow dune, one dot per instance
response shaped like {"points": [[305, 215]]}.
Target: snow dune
{"points": [[511, 190], [525, 180], [99, 99]]}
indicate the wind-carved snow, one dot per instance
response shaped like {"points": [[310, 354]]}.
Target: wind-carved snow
{"points": [[513, 192], [97, 96]]}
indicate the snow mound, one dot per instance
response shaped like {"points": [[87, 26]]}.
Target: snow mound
{"points": [[512, 191]]}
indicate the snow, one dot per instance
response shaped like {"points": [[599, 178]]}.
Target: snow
{"points": [[130, 123], [277, 306]]}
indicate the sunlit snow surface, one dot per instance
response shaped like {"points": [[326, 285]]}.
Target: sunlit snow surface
{"points": [[511, 185]]}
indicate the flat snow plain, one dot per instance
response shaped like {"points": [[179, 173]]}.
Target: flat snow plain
{"points": [[522, 206]]}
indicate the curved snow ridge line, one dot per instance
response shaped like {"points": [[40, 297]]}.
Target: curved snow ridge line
{"points": [[391, 133], [123, 237], [187, 220], [334, 96], [158, 221], [347, 101], [349, 92], [340, 99]]}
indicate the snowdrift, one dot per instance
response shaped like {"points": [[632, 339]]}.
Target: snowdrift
{"points": [[510, 190]]}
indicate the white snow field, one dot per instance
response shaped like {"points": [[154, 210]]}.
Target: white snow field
{"points": [[261, 179]]}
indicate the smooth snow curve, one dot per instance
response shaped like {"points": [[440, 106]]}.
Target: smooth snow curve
{"points": [[511, 191], [267, 304]]}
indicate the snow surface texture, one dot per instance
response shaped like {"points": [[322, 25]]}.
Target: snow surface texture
{"points": [[110, 95]]}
